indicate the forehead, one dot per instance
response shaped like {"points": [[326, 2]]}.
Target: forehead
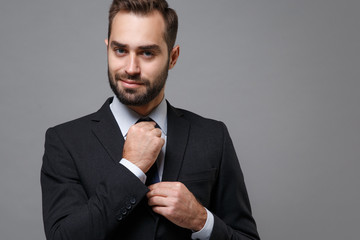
{"points": [[137, 30]]}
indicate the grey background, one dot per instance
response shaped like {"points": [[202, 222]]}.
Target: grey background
{"points": [[282, 74]]}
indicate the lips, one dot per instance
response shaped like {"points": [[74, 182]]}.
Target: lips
{"points": [[130, 83]]}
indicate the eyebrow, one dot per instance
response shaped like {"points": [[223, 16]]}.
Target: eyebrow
{"points": [[117, 44], [152, 47]]}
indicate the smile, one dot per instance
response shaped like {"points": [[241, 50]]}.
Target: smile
{"points": [[130, 83]]}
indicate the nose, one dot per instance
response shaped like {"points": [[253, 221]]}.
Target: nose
{"points": [[132, 67]]}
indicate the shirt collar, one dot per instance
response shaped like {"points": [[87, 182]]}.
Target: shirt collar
{"points": [[125, 117]]}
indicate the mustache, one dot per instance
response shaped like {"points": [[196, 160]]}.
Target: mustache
{"points": [[119, 76]]}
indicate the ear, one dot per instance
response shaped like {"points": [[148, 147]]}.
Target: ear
{"points": [[107, 42], [174, 55]]}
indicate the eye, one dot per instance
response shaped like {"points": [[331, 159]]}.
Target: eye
{"points": [[148, 54], [120, 51]]}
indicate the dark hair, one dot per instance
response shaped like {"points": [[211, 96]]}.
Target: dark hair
{"points": [[144, 7]]}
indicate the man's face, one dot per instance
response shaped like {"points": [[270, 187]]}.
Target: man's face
{"points": [[138, 60]]}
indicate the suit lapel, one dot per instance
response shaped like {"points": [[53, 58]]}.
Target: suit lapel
{"points": [[107, 131], [177, 137], [109, 134]]}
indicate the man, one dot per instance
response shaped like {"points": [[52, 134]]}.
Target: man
{"points": [[139, 168]]}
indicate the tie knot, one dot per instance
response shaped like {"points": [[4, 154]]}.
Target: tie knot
{"points": [[144, 119], [148, 119]]}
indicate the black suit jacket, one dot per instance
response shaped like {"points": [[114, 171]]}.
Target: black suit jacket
{"points": [[88, 195]]}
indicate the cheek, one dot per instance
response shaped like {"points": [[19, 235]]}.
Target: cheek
{"points": [[115, 64], [153, 70]]}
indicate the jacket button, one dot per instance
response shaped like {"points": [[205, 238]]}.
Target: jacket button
{"points": [[132, 201], [120, 218], [124, 212], [128, 206]]}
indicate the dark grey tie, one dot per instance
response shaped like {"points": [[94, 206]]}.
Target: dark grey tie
{"points": [[152, 176]]}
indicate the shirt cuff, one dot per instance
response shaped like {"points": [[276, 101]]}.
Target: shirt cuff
{"points": [[134, 169], [205, 232]]}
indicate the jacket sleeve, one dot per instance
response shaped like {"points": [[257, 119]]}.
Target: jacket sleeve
{"points": [[230, 206], [68, 212]]}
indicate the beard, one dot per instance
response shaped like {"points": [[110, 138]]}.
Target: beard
{"points": [[133, 97]]}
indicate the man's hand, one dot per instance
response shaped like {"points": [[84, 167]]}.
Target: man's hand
{"points": [[143, 145], [176, 203]]}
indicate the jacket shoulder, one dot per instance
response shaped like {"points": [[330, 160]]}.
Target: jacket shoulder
{"points": [[84, 123], [75, 123], [198, 120]]}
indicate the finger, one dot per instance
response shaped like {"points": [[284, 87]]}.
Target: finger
{"points": [[170, 185], [145, 125], [158, 201], [157, 132], [163, 192], [163, 211], [159, 185]]}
